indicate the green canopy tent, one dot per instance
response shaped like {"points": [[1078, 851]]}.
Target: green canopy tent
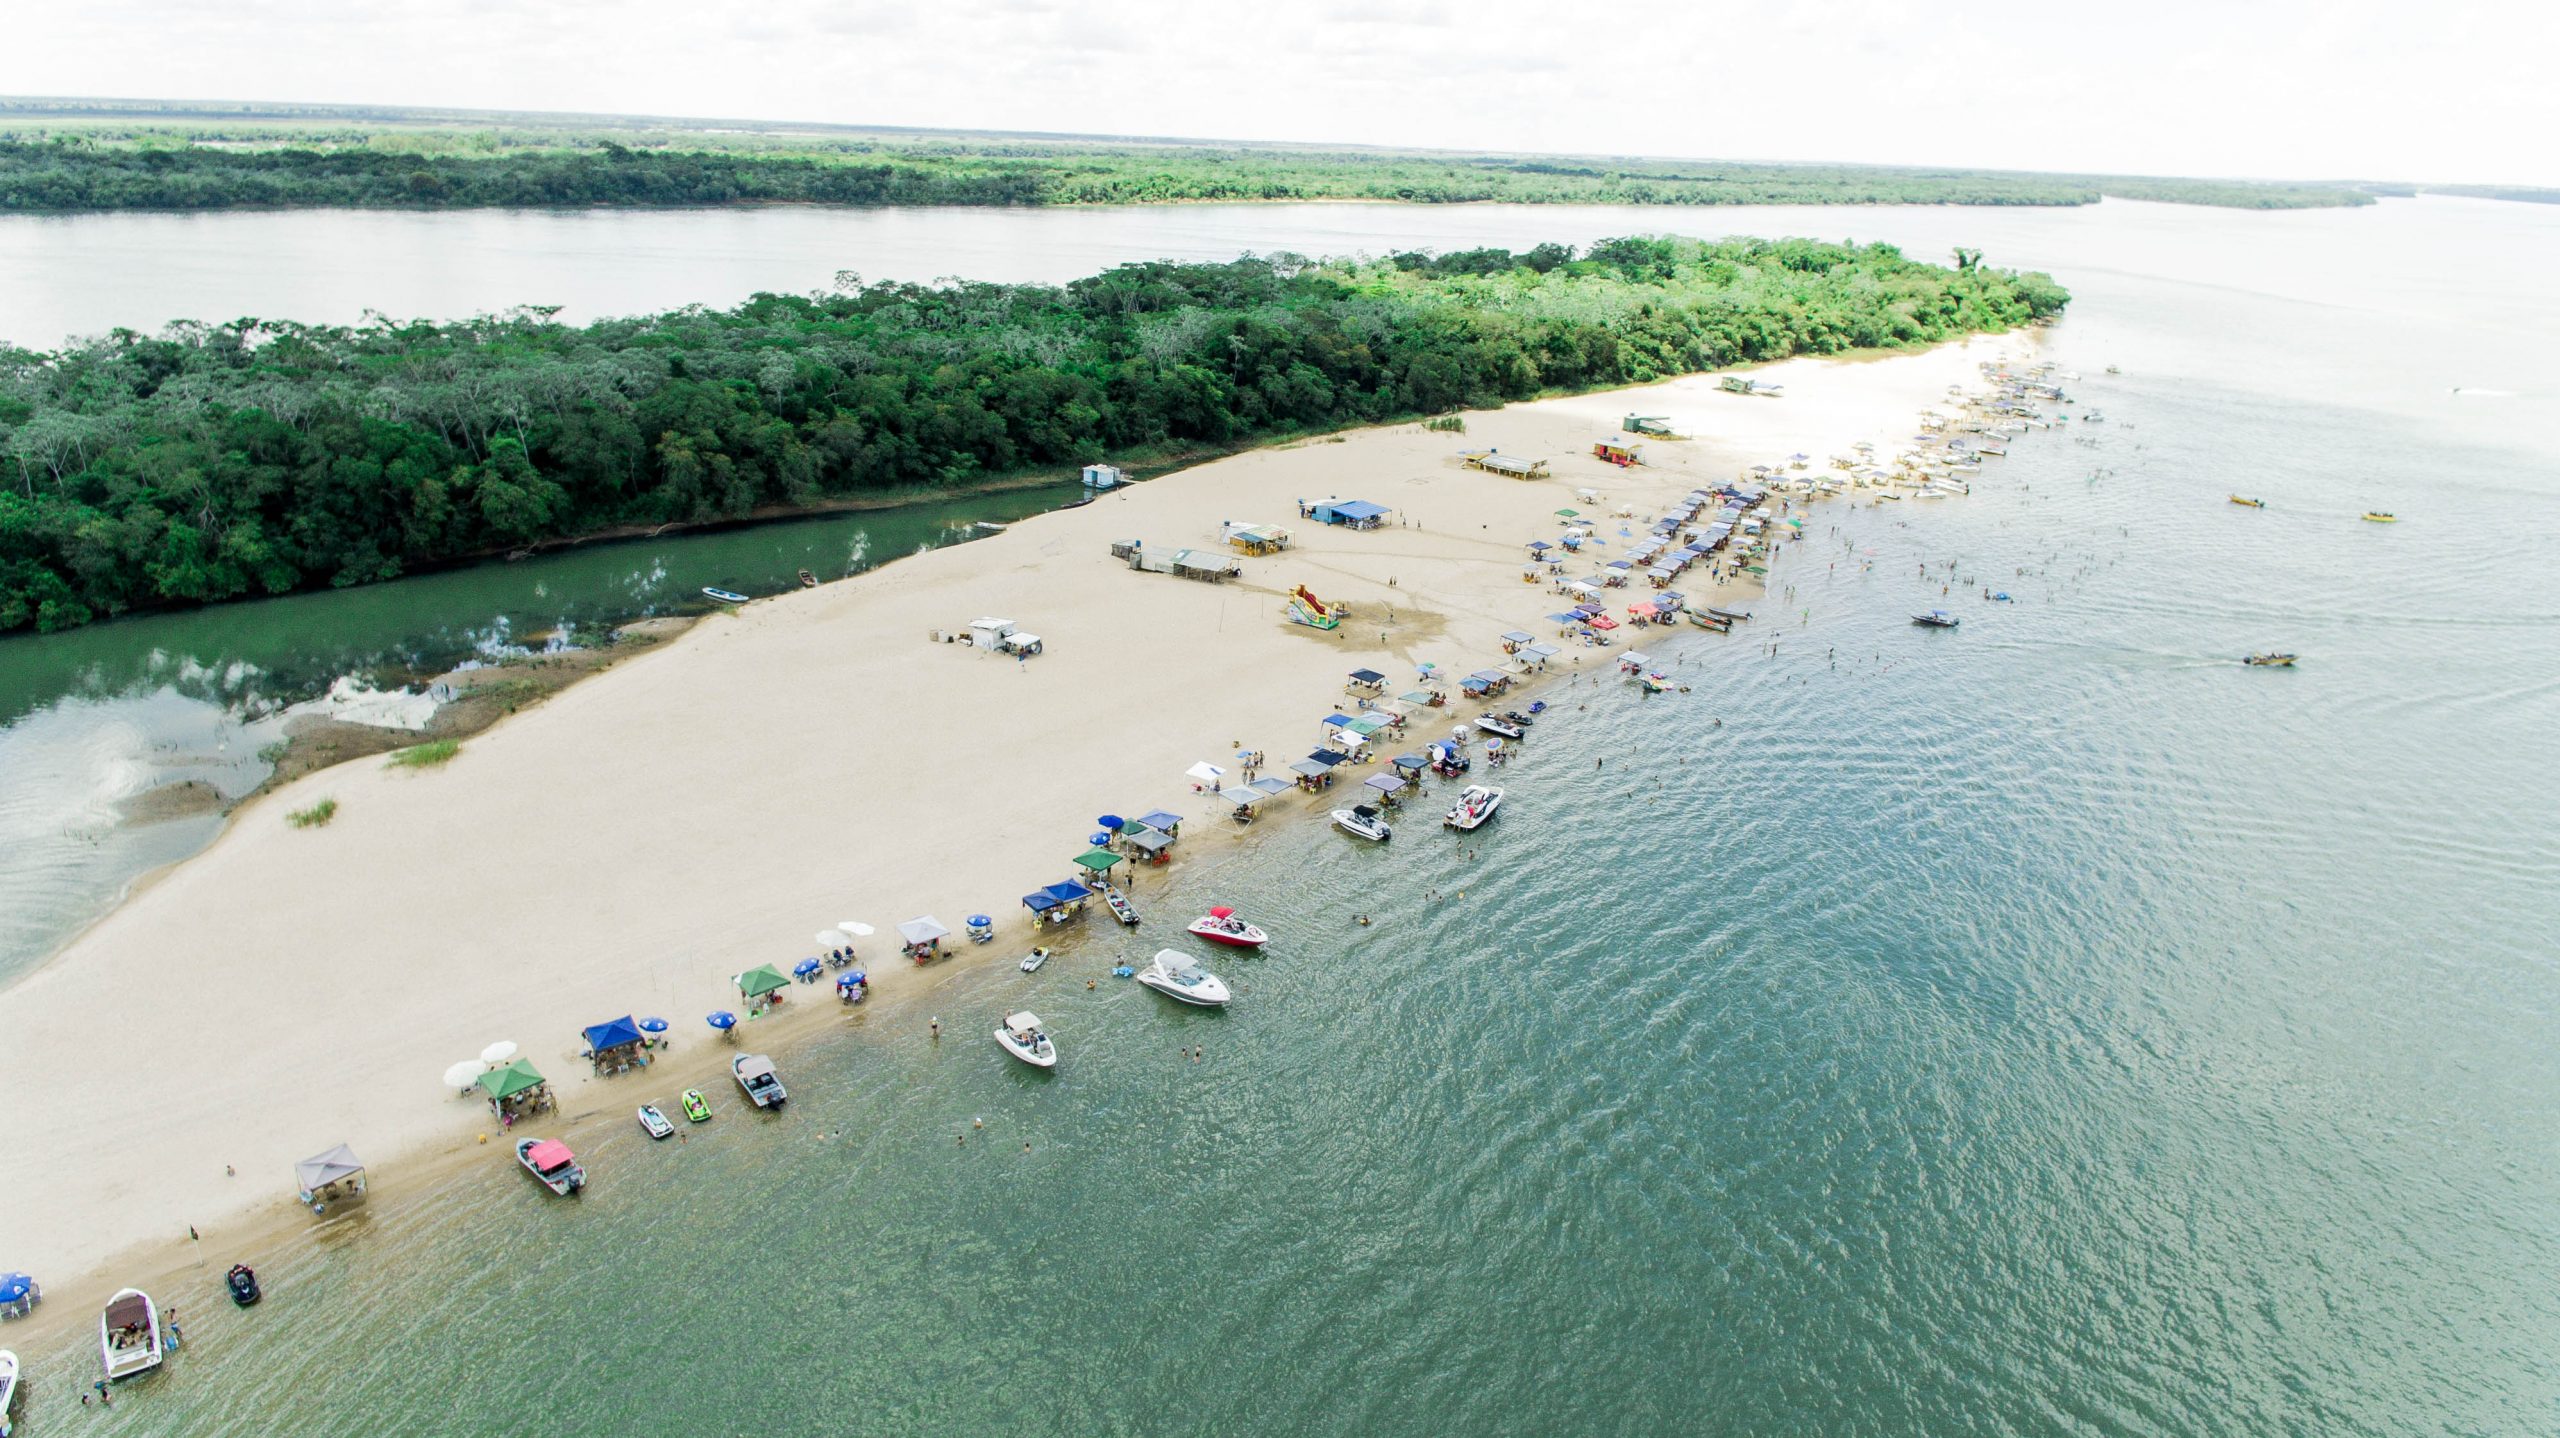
{"points": [[1099, 861], [761, 980], [512, 1080]]}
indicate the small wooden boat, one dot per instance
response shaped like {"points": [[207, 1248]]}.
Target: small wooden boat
{"points": [[2381, 516], [1031, 965], [1729, 616], [242, 1281], [654, 1123], [696, 1108], [129, 1335], [2269, 661], [551, 1164], [1022, 1036], [1221, 926], [808, 580], [724, 596], [8, 1392], [754, 1073], [1704, 620], [1936, 619], [1119, 905], [2251, 503]]}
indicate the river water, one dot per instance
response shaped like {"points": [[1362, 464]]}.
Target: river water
{"points": [[2047, 1026]]}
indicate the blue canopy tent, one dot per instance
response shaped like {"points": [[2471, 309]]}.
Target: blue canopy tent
{"points": [[1163, 822], [612, 1034], [1350, 513], [1068, 893], [1039, 901], [1328, 757]]}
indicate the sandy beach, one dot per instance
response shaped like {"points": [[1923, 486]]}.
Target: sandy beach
{"points": [[704, 807]]}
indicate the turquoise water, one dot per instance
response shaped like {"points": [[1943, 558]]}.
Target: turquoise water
{"points": [[2044, 1027]]}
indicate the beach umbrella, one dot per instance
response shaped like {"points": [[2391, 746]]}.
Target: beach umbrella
{"points": [[979, 921], [14, 1287], [806, 967], [653, 1026], [1205, 772], [831, 939], [722, 1019], [498, 1053], [1569, 514], [857, 928], [462, 1075], [1113, 822], [1099, 839]]}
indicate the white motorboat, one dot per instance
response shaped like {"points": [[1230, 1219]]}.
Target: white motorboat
{"points": [[1491, 725], [755, 1074], [8, 1392], [1474, 806], [551, 1164], [1032, 963], [1221, 926], [1024, 1038], [1363, 821], [1178, 975], [653, 1122], [129, 1334]]}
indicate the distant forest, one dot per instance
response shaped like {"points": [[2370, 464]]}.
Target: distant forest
{"points": [[56, 160], [217, 461]]}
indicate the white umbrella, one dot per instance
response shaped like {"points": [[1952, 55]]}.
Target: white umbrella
{"points": [[856, 927], [831, 939], [461, 1075], [498, 1053], [1205, 772]]}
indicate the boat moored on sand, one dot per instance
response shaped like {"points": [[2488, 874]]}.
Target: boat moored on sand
{"points": [[1177, 975], [8, 1392], [1476, 805], [1221, 926], [754, 1073], [1497, 727], [129, 1335], [551, 1164], [1023, 1037], [724, 596]]}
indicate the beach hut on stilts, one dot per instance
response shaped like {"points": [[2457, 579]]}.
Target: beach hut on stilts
{"points": [[329, 1180]]}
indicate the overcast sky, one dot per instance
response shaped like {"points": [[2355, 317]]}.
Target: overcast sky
{"points": [[2345, 89]]}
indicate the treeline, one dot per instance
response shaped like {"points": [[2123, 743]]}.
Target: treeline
{"points": [[215, 461], [200, 169]]}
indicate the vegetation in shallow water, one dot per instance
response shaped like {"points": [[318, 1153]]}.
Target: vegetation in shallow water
{"points": [[214, 461]]}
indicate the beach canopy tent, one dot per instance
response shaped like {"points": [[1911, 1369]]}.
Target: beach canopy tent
{"points": [[763, 979], [1163, 821], [923, 929], [1540, 651], [1370, 677], [1039, 901], [1205, 772], [1412, 763], [515, 1078], [1328, 757], [1150, 843], [1270, 788], [1383, 783], [335, 1166], [1100, 861], [1516, 637], [1419, 696], [1572, 618], [1363, 726], [1490, 676], [1474, 684], [1353, 513], [1333, 721], [1540, 546], [612, 1034], [1068, 893], [1243, 796], [1311, 768]]}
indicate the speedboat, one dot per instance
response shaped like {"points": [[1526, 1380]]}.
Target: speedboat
{"points": [[129, 1334], [755, 1074], [1023, 1038], [8, 1392], [551, 1164], [1518, 720], [1223, 927], [2269, 661], [242, 1280], [725, 596], [1362, 821], [1491, 725], [2382, 516], [653, 1122], [1178, 975], [1474, 806], [1031, 965], [1936, 619], [2251, 503], [696, 1108]]}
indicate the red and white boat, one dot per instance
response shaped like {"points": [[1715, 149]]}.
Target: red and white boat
{"points": [[1223, 927]]}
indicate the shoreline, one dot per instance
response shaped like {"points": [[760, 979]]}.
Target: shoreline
{"points": [[1442, 592]]}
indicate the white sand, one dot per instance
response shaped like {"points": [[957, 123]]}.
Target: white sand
{"points": [[627, 846]]}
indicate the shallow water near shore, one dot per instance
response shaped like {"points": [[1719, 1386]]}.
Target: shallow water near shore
{"points": [[2048, 1026]]}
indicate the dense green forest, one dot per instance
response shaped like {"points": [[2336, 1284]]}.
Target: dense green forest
{"points": [[213, 461], [51, 162]]}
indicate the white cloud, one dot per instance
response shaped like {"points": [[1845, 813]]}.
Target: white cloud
{"points": [[2344, 88]]}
